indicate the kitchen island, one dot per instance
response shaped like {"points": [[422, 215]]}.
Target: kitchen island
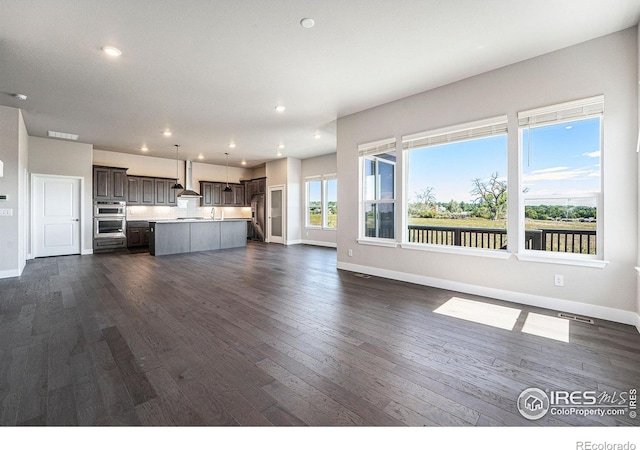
{"points": [[168, 237]]}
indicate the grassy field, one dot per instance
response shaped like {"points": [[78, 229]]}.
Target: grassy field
{"points": [[316, 220], [476, 222]]}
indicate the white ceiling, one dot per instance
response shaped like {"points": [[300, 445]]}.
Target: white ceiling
{"points": [[212, 71]]}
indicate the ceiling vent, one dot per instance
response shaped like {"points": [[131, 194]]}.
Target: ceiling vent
{"points": [[59, 135]]}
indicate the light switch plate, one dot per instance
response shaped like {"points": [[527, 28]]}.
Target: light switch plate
{"points": [[6, 212]]}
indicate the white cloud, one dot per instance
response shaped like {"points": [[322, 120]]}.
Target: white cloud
{"points": [[595, 154]]}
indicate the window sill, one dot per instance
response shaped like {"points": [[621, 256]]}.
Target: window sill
{"points": [[498, 254], [565, 260], [378, 242], [319, 228]]}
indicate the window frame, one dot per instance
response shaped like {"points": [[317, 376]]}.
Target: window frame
{"points": [[368, 152], [524, 254], [464, 132], [323, 179]]}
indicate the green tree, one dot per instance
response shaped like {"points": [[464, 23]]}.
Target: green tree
{"points": [[491, 195], [424, 202]]}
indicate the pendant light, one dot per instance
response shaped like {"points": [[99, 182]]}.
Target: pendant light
{"points": [[177, 185], [227, 189]]}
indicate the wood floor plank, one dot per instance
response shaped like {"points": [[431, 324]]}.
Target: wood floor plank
{"points": [[276, 335]]}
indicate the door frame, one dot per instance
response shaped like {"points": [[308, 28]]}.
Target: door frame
{"points": [[283, 188], [81, 221]]}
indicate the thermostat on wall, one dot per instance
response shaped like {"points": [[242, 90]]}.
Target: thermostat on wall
{"points": [[3, 196]]}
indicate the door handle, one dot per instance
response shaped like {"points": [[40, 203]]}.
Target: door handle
{"points": [[75, 220]]}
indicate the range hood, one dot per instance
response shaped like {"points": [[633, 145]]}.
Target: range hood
{"points": [[189, 192]]}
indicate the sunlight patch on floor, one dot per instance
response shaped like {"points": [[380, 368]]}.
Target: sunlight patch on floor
{"points": [[480, 312], [547, 326]]}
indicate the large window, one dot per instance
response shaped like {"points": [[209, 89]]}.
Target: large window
{"points": [[378, 189], [561, 178], [322, 202], [456, 181]]}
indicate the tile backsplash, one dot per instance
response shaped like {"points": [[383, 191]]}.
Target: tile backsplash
{"points": [[187, 207]]}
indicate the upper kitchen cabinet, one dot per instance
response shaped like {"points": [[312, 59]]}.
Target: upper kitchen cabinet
{"points": [[238, 195], [255, 186], [140, 191], [211, 193], [164, 195], [109, 183]]}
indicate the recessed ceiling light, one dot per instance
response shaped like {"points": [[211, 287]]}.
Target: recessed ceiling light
{"points": [[279, 153], [280, 108], [167, 133], [307, 22], [232, 145], [20, 96], [200, 156], [244, 163], [111, 51], [317, 136], [59, 135], [144, 148], [281, 146]]}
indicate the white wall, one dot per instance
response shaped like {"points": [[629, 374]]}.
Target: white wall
{"points": [[287, 172], [608, 66], [24, 215], [638, 165], [13, 153], [294, 201], [56, 157], [320, 165]]}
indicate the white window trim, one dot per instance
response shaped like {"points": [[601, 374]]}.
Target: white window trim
{"points": [[324, 178], [479, 129], [458, 250], [367, 150], [591, 107]]}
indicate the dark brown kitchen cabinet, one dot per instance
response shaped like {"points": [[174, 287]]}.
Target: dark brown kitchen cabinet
{"points": [[206, 190], [109, 183], [142, 191], [137, 234], [238, 195], [228, 198], [146, 191], [133, 191], [212, 194], [164, 194]]}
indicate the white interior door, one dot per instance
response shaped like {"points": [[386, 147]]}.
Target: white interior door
{"points": [[56, 215], [276, 217]]}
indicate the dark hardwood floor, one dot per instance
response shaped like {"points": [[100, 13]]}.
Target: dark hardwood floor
{"points": [[274, 335]]}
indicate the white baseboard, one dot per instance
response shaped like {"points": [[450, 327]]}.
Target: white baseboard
{"points": [[294, 242], [87, 251], [12, 273], [555, 304], [320, 243]]}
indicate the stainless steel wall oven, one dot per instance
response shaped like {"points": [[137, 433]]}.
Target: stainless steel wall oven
{"points": [[109, 209], [109, 219]]}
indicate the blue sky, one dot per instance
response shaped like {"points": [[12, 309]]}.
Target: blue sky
{"points": [[562, 158], [315, 191], [449, 168]]}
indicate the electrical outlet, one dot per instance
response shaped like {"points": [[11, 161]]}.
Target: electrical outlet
{"points": [[350, 252], [558, 280], [6, 212]]}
